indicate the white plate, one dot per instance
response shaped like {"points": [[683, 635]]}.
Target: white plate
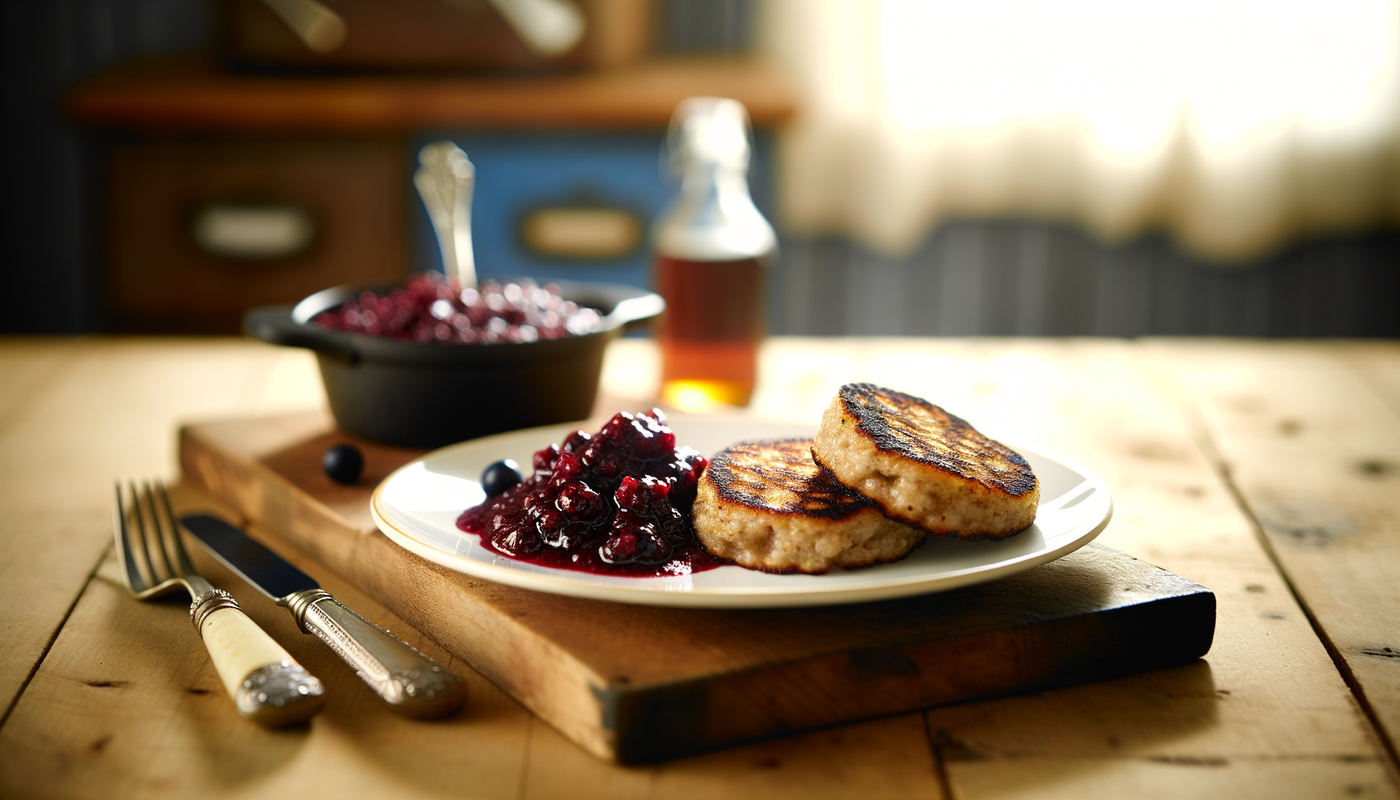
{"points": [[417, 508]]}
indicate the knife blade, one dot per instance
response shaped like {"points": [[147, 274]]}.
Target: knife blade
{"points": [[410, 682]]}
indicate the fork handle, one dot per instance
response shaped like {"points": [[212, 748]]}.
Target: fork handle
{"points": [[266, 684], [408, 681]]}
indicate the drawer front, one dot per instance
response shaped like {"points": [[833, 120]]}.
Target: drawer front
{"points": [[200, 232]]}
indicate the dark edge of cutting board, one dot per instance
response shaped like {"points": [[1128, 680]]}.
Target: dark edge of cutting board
{"points": [[638, 684], [1024, 633]]}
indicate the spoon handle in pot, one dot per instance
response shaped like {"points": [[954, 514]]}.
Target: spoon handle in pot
{"points": [[445, 180]]}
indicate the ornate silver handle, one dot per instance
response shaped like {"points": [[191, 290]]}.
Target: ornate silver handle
{"points": [[267, 685], [410, 682]]}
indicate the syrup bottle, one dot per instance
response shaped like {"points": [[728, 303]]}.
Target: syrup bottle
{"points": [[713, 248]]}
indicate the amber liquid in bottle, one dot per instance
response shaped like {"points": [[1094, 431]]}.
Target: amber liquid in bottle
{"points": [[713, 326]]}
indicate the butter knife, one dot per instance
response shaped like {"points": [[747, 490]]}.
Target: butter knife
{"points": [[408, 681]]}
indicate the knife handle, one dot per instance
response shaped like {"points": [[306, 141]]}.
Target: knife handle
{"points": [[266, 684], [410, 682]]}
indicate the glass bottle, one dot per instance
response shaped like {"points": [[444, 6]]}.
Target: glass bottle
{"points": [[712, 251]]}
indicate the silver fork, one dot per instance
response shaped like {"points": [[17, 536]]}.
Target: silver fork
{"points": [[266, 684]]}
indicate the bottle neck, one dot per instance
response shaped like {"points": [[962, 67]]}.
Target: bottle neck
{"points": [[703, 178], [713, 218]]}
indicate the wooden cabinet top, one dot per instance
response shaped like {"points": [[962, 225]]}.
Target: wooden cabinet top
{"points": [[189, 94]]}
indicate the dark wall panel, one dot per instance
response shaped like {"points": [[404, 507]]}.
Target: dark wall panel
{"points": [[1026, 278], [47, 230]]}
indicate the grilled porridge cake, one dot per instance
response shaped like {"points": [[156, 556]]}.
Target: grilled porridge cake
{"points": [[924, 466], [767, 505]]}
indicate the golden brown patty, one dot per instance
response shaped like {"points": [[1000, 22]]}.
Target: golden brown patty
{"points": [[925, 466], [767, 505]]}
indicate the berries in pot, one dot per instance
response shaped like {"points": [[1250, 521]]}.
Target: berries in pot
{"points": [[432, 309]]}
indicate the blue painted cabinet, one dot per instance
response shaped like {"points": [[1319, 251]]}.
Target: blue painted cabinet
{"points": [[519, 174]]}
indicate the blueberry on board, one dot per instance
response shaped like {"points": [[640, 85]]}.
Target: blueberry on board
{"points": [[500, 476], [343, 463]]}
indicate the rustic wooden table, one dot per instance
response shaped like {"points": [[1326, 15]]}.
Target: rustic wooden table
{"points": [[1267, 471]]}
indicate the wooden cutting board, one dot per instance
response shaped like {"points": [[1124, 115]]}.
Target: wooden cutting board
{"points": [[635, 684]]}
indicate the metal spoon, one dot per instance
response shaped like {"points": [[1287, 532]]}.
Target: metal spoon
{"points": [[320, 28], [445, 179], [548, 27]]}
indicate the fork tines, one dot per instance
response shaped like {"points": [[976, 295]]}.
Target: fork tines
{"points": [[147, 517]]}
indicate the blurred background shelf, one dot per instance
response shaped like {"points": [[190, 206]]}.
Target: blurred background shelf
{"points": [[190, 94], [128, 119], [187, 138], [134, 122]]}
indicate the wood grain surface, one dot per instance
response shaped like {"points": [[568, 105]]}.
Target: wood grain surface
{"points": [[107, 697], [636, 684], [1331, 518]]}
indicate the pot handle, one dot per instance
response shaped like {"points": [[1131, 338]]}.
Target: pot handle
{"points": [[274, 324], [636, 313]]}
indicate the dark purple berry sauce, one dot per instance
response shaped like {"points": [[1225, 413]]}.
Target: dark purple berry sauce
{"points": [[615, 503], [435, 310]]}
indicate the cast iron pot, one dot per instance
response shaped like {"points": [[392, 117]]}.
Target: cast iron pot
{"points": [[430, 395]]}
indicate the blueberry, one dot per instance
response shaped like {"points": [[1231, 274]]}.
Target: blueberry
{"points": [[343, 463], [500, 476]]}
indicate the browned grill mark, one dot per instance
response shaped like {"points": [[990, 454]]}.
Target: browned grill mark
{"points": [[913, 428], [780, 476]]}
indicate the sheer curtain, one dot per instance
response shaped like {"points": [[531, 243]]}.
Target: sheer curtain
{"points": [[1237, 125]]}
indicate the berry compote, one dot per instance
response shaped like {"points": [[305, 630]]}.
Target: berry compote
{"points": [[436, 310], [616, 502]]}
